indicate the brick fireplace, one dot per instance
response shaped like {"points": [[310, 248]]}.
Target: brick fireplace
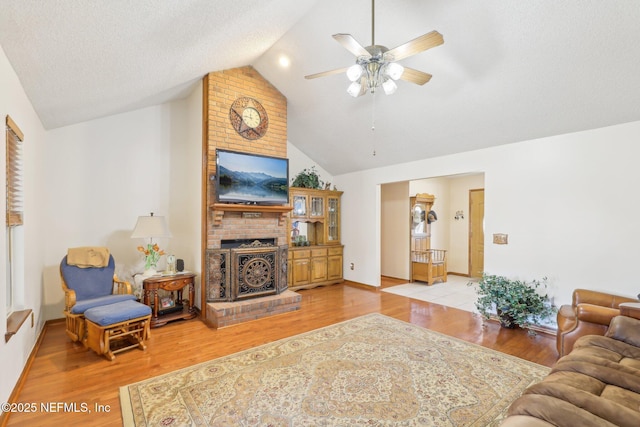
{"points": [[249, 280]]}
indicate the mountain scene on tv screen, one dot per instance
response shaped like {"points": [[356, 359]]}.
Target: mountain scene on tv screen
{"points": [[251, 187]]}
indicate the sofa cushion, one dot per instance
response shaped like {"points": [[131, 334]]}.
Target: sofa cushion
{"points": [[625, 329], [558, 412], [597, 384], [105, 315], [524, 421], [84, 305]]}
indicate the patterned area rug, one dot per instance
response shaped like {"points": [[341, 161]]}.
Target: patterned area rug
{"points": [[370, 371]]}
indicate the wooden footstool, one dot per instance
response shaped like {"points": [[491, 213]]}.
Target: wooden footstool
{"points": [[108, 326]]}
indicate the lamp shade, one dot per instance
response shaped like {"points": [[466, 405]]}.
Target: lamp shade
{"points": [[394, 70], [354, 89], [389, 87], [150, 226], [354, 72]]}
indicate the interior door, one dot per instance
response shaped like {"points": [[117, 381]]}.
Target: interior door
{"points": [[476, 232]]}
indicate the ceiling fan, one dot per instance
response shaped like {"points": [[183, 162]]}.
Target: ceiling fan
{"points": [[376, 65]]}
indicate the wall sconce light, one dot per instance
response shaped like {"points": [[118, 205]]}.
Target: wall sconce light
{"points": [[459, 215]]}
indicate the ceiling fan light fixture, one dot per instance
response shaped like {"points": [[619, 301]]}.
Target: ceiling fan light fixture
{"points": [[354, 72], [373, 75], [375, 64], [389, 87], [394, 70], [354, 89]]}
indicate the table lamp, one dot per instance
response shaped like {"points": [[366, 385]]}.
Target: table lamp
{"points": [[148, 227]]}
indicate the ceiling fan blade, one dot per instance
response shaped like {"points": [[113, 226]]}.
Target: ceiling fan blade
{"points": [[415, 76], [326, 73], [417, 45], [348, 42]]}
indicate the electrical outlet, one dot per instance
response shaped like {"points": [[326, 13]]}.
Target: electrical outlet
{"points": [[352, 266]]}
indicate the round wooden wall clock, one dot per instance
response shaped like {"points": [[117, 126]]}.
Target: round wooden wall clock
{"points": [[249, 118]]}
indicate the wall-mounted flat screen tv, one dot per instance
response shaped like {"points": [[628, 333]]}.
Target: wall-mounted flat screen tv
{"points": [[251, 179]]}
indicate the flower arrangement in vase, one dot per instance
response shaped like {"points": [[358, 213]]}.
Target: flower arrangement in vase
{"points": [[152, 254]]}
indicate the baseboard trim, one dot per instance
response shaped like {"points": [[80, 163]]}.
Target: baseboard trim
{"points": [[392, 277], [535, 328], [453, 273], [13, 398], [450, 273]]}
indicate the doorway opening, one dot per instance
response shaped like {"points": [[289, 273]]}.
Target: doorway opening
{"points": [[451, 231]]}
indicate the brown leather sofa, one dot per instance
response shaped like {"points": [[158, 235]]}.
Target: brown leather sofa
{"points": [[596, 385], [589, 314]]}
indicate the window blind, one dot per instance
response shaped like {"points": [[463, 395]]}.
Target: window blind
{"points": [[14, 174]]}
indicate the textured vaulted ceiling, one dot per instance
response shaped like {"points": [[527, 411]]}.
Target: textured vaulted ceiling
{"points": [[508, 71]]}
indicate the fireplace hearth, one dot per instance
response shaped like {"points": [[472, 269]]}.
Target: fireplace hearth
{"points": [[245, 268]]}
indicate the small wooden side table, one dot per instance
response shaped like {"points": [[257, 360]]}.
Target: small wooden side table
{"points": [[180, 308], [630, 309]]}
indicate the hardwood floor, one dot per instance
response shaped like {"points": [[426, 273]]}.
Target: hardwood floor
{"points": [[64, 372]]}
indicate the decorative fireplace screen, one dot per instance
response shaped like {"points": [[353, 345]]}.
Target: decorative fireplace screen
{"points": [[246, 271]]}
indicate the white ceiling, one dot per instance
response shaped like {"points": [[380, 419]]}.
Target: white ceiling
{"points": [[508, 71]]}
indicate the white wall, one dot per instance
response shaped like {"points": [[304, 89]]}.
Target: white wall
{"points": [[567, 203], [394, 260], [101, 175], [299, 161], [15, 103], [459, 187], [185, 189]]}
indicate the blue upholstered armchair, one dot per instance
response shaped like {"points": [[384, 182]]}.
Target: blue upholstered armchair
{"points": [[88, 280]]}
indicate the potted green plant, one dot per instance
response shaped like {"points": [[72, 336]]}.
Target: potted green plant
{"points": [[308, 178], [516, 302]]}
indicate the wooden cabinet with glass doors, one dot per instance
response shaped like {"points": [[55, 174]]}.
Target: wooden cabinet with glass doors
{"points": [[315, 252]]}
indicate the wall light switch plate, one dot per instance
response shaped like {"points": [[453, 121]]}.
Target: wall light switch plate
{"points": [[500, 239]]}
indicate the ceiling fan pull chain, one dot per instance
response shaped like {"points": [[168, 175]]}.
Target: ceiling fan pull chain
{"points": [[373, 113], [373, 123]]}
